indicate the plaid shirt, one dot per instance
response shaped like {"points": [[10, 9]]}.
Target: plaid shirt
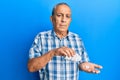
{"points": [[58, 68]]}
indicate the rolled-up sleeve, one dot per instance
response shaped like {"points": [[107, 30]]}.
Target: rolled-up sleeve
{"points": [[35, 50], [84, 55]]}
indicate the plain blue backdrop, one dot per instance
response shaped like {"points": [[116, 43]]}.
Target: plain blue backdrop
{"points": [[96, 21]]}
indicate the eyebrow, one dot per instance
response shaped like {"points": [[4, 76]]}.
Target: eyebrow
{"points": [[62, 13]]}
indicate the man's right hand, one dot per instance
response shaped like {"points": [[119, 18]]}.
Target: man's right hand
{"points": [[64, 51]]}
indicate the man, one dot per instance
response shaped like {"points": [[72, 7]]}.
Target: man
{"points": [[49, 49]]}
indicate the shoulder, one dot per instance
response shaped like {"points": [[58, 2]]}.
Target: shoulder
{"points": [[43, 34]]}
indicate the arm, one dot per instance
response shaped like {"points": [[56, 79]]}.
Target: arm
{"points": [[35, 64], [37, 60], [87, 66]]}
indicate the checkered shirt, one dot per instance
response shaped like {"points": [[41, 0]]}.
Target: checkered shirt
{"points": [[58, 68]]}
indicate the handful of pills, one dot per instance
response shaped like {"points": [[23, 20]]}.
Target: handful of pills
{"points": [[76, 57]]}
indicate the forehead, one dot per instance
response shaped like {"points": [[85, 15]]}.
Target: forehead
{"points": [[62, 9]]}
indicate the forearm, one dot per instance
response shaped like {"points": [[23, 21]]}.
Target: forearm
{"points": [[38, 63]]}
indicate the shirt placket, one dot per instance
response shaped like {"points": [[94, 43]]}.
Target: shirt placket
{"points": [[62, 61]]}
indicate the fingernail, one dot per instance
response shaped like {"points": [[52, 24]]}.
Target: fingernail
{"points": [[93, 71], [98, 72], [101, 67]]}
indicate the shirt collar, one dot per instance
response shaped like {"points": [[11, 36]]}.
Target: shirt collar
{"points": [[55, 35]]}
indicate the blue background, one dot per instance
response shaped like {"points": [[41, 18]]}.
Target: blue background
{"points": [[96, 21]]}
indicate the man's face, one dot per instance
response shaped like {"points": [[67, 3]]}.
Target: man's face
{"points": [[61, 18]]}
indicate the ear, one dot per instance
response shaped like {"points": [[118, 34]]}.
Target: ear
{"points": [[51, 18], [70, 19]]}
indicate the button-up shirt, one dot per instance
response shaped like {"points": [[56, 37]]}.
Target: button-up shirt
{"points": [[58, 68]]}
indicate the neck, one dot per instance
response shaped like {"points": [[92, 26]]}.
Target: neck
{"points": [[61, 34]]}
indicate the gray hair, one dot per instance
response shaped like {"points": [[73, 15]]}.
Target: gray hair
{"points": [[53, 10]]}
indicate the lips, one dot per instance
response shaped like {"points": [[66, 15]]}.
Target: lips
{"points": [[62, 25]]}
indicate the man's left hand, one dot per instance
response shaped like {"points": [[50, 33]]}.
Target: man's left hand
{"points": [[90, 67]]}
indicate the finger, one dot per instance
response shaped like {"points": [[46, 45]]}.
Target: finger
{"points": [[98, 66], [72, 52], [93, 70], [89, 70], [63, 53], [96, 71], [65, 50], [68, 53]]}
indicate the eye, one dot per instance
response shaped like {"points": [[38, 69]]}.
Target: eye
{"points": [[58, 15], [68, 16]]}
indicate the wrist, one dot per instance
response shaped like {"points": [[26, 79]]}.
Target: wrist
{"points": [[52, 53]]}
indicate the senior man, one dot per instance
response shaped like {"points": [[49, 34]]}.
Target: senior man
{"points": [[53, 52]]}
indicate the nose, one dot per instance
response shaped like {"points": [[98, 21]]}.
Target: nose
{"points": [[63, 19]]}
